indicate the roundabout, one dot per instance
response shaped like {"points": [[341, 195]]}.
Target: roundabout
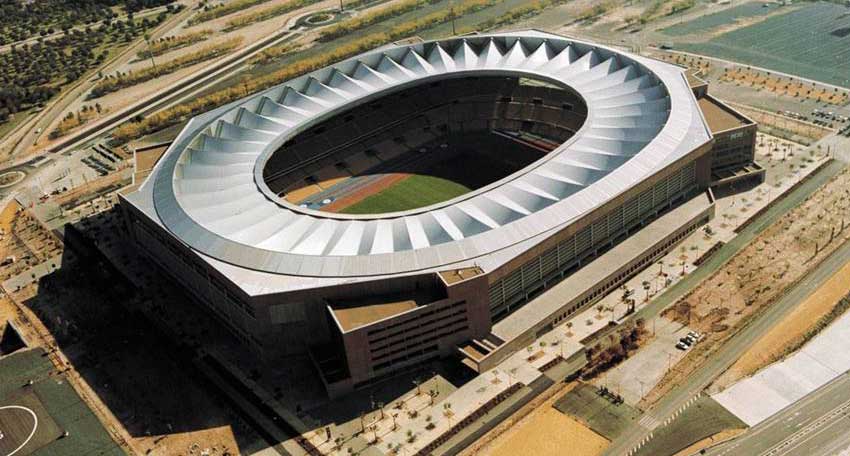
{"points": [[11, 178], [322, 18]]}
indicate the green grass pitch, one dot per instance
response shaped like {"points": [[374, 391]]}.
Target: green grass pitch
{"points": [[411, 193]]}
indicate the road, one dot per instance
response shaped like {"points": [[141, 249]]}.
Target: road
{"points": [[815, 426], [191, 85], [27, 134], [182, 90], [740, 342], [172, 95]]}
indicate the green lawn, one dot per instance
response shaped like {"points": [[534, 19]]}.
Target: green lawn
{"points": [[700, 420], [411, 193], [709, 22], [597, 412]]}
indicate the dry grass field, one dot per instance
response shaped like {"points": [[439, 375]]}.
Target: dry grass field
{"points": [[773, 345], [548, 433]]}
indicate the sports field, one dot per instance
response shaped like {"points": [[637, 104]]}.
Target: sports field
{"points": [[444, 169], [726, 17], [812, 42], [410, 193], [57, 409]]}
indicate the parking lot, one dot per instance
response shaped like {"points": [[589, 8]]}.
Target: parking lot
{"points": [[637, 375]]}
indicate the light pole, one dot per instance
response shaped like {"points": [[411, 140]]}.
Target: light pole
{"points": [[452, 12], [150, 51]]}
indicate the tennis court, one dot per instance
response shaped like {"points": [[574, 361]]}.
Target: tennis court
{"points": [[812, 42]]}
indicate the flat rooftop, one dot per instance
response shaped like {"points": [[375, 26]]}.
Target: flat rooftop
{"points": [[551, 301], [355, 313], [694, 80], [457, 275], [719, 116], [146, 159]]}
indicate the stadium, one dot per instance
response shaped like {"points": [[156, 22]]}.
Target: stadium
{"points": [[426, 199]]}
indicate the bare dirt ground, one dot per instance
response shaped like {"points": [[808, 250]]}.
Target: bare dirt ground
{"points": [[547, 433], [539, 429], [774, 345], [759, 274], [24, 241]]}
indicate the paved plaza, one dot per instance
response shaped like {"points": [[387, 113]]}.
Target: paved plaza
{"points": [[638, 374]]}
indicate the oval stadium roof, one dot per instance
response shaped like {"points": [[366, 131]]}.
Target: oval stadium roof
{"points": [[208, 189]]}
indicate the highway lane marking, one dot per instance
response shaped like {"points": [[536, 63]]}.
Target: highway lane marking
{"points": [[814, 434], [779, 417], [808, 429], [650, 422]]}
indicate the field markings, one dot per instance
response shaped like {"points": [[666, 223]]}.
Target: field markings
{"points": [[34, 425]]}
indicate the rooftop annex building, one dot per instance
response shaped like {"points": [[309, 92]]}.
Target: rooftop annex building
{"points": [[572, 165]]}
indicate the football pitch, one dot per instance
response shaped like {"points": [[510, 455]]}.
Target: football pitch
{"points": [[812, 42], [413, 192]]}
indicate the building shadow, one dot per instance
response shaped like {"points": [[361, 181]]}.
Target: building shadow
{"points": [[144, 377]]}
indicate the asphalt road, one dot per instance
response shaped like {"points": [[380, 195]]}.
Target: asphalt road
{"points": [[737, 344], [29, 133], [816, 425], [182, 90]]}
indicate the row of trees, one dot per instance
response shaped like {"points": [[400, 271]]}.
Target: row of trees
{"points": [[273, 53], [170, 43], [509, 17], [268, 13], [220, 10], [121, 80], [73, 120], [365, 20], [168, 117], [20, 20], [620, 345], [30, 74]]}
